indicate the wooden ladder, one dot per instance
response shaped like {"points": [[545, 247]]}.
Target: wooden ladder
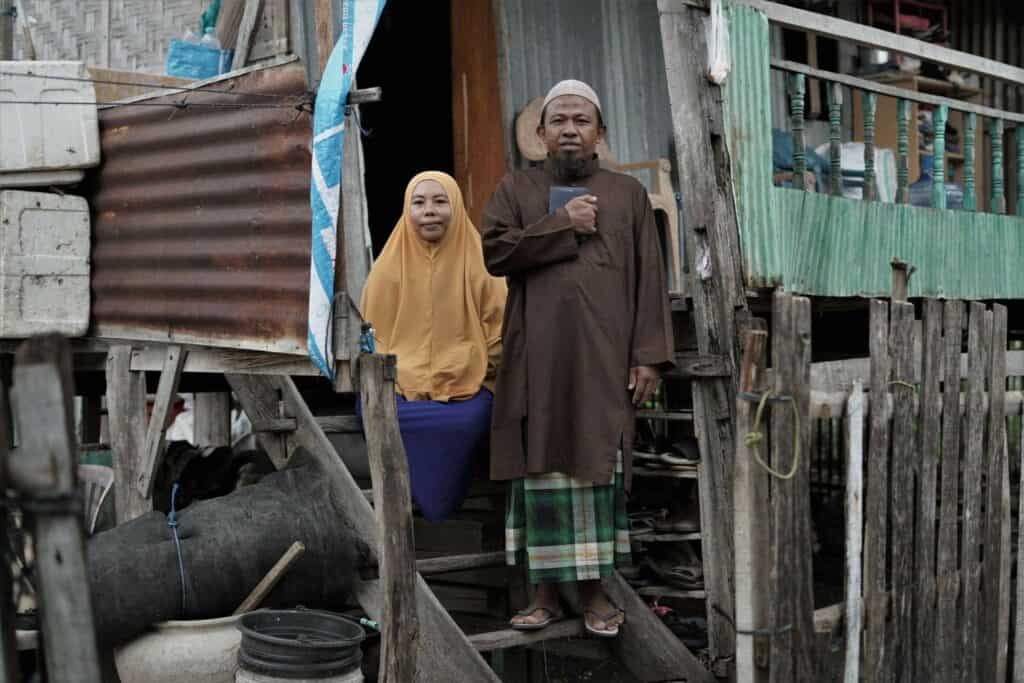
{"points": [[420, 640]]}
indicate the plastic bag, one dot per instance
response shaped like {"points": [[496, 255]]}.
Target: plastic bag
{"points": [[716, 33], [187, 59]]}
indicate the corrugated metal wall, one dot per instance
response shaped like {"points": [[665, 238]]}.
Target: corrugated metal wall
{"points": [[615, 45]]}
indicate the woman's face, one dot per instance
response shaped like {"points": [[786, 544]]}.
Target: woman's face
{"points": [[430, 212]]}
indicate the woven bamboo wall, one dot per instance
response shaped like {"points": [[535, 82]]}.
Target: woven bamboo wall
{"points": [[132, 35]]}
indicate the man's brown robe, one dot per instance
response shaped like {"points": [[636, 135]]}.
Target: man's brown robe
{"points": [[580, 314]]}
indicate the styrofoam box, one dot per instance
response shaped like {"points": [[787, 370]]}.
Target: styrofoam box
{"points": [[44, 264], [42, 179], [47, 137]]}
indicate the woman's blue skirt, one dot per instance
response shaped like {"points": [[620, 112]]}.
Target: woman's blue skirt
{"points": [[442, 443]]}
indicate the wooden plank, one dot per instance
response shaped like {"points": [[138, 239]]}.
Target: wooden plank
{"points": [[803, 631], [126, 420], [990, 647], [854, 529], [979, 343], [443, 651], [842, 30], [323, 14], [695, 364], [340, 424], [246, 30], [156, 433], [947, 561], [211, 419], [718, 294], [209, 360], [42, 402], [454, 563], [751, 531], [784, 535], [893, 91], [9, 666], [506, 638], [929, 434], [389, 470], [876, 518], [1005, 552], [271, 578], [901, 473], [645, 646]]}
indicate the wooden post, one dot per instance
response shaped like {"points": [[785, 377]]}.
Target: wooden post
{"points": [[126, 418], [44, 467], [854, 528], [156, 433], [212, 419], [389, 471], [245, 33], [929, 435], [719, 298], [324, 16], [876, 512], [979, 344], [901, 273], [803, 603], [904, 419], [947, 565], [751, 531], [990, 647], [9, 669]]}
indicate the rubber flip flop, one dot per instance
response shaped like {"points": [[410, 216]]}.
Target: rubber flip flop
{"points": [[552, 618], [611, 632]]}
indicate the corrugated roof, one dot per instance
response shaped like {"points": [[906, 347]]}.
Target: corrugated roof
{"points": [[201, 218]]}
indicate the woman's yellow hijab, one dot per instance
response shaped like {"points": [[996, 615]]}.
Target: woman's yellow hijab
{"points": [[435, 306]]}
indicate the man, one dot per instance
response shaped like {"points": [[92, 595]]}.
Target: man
{"points": [[587, 332]]}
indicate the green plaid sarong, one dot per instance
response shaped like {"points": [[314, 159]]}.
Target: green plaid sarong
{"points": [[567, 529]]}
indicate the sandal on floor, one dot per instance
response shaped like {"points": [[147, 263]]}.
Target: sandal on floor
{"points": [[551, 618], [608, 632]]}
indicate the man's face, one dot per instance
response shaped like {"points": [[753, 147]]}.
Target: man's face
{"points": [[571, 128]]}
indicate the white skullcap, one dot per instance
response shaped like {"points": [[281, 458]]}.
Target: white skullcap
{"points": [[571, 87]]}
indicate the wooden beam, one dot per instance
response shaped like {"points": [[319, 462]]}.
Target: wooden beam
{"points": [[443, 651], [506, 638], [854, 529], [324, 17], [841, 30], [156, 433], [126, 422], [389, 471], [751, 530], [9, 668], [718, 294], [693, 364], [454, 563], [245, 33], [340, 424], [645, 646], [43, 406], [271, 579]]}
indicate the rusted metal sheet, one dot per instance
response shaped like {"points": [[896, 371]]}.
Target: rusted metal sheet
{"points": [[201, 217]]}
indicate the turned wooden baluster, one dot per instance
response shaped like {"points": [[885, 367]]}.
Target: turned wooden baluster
{"points": [[939, 157], [796, 106], [903, 151], [995, 130], [835, 112], [1020, 170], [970, 127], [869, 102]]}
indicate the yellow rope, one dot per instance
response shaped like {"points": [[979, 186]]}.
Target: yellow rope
{"points": [[754, 437], [903, 383]]}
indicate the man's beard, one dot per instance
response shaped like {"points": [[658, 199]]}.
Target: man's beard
{"points": [[568, 167]]}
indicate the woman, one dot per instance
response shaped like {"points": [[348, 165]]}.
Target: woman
{"points": [[434, 305]]}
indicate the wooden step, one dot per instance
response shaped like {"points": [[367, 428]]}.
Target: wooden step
{"points": [[506, 638]]}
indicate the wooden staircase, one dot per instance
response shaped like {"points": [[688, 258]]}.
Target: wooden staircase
{"points": [[420, 640]]}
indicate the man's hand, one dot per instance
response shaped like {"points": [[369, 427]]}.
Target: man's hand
{"points": [[583, 214], [643, 381]]}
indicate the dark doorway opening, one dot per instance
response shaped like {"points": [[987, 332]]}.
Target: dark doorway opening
{"points": [[410, 130]]}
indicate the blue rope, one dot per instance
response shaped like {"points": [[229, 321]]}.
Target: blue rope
{"points": [[172, 522], [366, 344]]}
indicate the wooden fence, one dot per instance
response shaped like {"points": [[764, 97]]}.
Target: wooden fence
{"points": [[929, 538]]}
